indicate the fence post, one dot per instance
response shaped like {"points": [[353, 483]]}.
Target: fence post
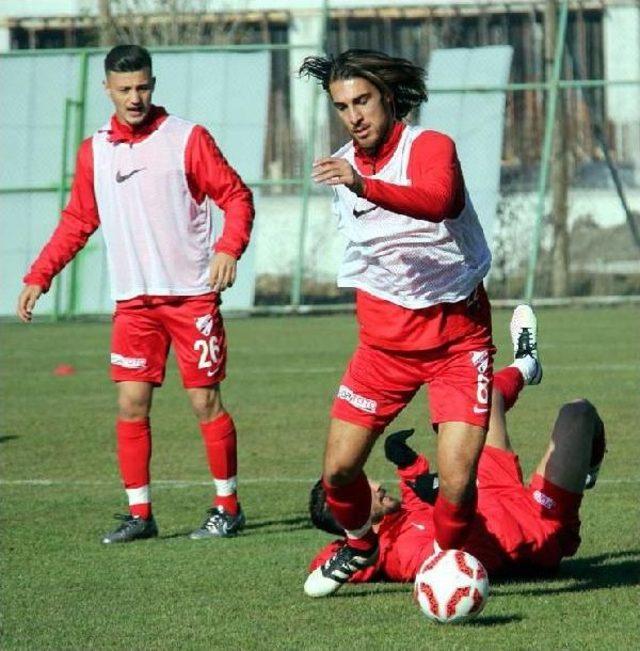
{"points": [[552, 100], [62, 196], [296, 283], [79, 135]]}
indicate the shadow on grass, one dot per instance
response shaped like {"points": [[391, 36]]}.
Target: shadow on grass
{"points": [[8, 437], [273, 526], [617, 569], [493, 620]]}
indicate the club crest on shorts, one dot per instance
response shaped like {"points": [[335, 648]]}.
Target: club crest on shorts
{"points": [[480, 359], [204, 324]]}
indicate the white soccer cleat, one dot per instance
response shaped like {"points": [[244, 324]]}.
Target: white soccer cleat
{"points": [[336, 571], [524, 337]]}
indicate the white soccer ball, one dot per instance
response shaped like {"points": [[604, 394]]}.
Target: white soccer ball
{"points": [[451, 586]]}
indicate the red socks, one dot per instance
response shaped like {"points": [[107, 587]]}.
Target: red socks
{"points": [[134, 456], [452, 521], [509, 382], [350, 505], [219, 437]]}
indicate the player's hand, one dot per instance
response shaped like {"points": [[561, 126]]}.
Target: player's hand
{"points": [[426, 486], [27, 301], [222, 271], [397, 450], [337, 171]]}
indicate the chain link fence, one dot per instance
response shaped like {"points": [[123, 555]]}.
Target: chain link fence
{"points": [[574, 205]]}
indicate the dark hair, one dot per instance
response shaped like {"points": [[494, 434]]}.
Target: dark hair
{"points": [[127, 58], [319, 511], [401, 79]]}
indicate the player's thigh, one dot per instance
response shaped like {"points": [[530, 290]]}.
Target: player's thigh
{"points": [[460, 385], [139, 346], [376, 386], [199, 341]]}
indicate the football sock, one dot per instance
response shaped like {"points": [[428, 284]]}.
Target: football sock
{"points": [[220, 442], [134, 456], [453, 521], [528, 366], [350, 505], [509, 381]]}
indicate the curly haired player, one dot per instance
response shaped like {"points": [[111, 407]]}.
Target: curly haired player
{"points": [[416, 256]]}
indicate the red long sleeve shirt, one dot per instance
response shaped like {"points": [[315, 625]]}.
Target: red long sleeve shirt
{"points": [[208, 174]]}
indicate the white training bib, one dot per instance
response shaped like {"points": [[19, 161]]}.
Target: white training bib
{"points": [[158, 238], [410, 262]]}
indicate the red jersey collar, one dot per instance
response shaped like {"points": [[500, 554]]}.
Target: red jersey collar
{"points": [[125, 133], [384, 152]]}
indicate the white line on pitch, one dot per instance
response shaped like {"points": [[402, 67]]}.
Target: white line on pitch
{"points": [[180, 483]]}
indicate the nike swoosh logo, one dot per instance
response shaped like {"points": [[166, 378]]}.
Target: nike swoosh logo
{"points": [[418, 526], [480, 410], [359, 213], [123, 177]]}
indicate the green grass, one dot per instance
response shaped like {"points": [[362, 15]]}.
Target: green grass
{"points": [[62, 589]]}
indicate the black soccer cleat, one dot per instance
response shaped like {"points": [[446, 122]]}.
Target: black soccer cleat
{"points": [[219, 524], [338, 569], [132, 528], [598, 450]]}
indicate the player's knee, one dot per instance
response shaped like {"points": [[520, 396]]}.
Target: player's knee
{"points": [[339, 474], [206, 404], [133, 407], [457, 487]]}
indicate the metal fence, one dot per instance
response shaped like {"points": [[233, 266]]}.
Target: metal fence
{"points": [[297, 247]]}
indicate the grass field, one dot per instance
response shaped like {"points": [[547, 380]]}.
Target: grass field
{"points": [[59, 483]]}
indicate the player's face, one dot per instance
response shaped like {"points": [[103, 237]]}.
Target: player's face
{"points": [[381, 502], [130, 93], [363, 110]]}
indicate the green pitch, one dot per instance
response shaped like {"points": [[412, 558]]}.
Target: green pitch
{"points": [[61, 589]]}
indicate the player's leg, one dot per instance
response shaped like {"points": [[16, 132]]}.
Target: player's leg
{"points": [[460, 385], [459, 448], [508, 382], [198, 336], [225, 518], [139, 349], [348, 497], [375, 388], [577, 445]]}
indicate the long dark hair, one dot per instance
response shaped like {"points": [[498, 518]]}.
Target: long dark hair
{"points": [[319, 511], [402, 80]]}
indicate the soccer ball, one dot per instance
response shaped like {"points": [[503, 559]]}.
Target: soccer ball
{"points": [[451, 586]]}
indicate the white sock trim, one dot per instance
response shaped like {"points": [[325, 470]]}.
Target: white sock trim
{"points": [[226, 487], [361, 532], [140, 495], [527, 367]]}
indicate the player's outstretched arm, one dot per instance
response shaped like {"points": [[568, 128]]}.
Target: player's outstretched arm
{"points": [[27, 301]]}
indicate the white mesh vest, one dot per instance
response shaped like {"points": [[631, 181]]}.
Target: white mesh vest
{"points": [[158, 238], [410, 262]]}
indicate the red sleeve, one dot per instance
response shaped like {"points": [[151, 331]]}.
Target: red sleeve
{"points": [[409, 499], [209, 174], [436, 192], [361, 576], [79, 220]]}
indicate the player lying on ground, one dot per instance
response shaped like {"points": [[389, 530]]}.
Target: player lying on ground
{"points": [[517, 526]]}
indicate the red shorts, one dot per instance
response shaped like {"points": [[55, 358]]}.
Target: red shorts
{"points": [[378, 384], [537, 524], [142, 335]]}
